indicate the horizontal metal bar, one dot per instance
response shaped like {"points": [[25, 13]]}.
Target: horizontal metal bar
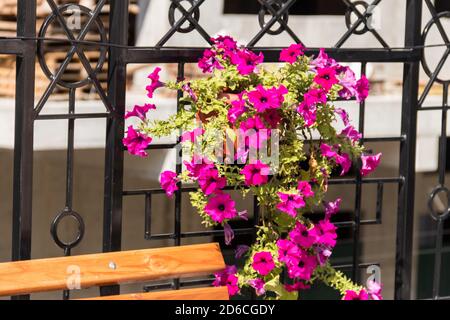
{"points": [[385, 139], [366, 181], [433, 108], [183, 283], [191, 55], [194, 234], [12, 46], [350, 266], [72, 116]]}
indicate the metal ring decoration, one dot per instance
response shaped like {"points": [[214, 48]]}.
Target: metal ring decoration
{"points": [[54, 229], [436, 215], [348, 17], [41, 50], [172, 21], [426, 31], [262, 16]]}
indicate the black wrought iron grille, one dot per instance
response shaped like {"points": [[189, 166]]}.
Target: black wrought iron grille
{"points": [[184, 17]]}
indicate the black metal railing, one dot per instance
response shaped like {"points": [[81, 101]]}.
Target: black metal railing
{"points": [[114, 48]]}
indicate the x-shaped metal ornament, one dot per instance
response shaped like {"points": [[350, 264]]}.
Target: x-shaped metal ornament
{"points": [[74, 49], [192, 15], [434, 75], [362, 19], [277, 16]]}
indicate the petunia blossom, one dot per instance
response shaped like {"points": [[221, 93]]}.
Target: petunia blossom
{"points": [[331, 208], [136, 142], [258, 285], [325, 232], [303, 236], [209, 61], [326, 77], [263, 262], [140, 111], [302, 267], [305, 189], [155, 83], [221, 207], [351, 133], [287, 250], [362, 89], [227, 278], [369, 163], [352, 295], [169, 181], [291, 54], [256, 174], [210, 182], [289, 203], [246, 61], [263, 99], [374, 290]]}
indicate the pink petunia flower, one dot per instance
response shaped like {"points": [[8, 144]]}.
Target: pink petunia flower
{"points": [[347, 80], [209, 61], [352, 295], [369, 163], [210, 182], [302, 267], [374, 290], [290, 203], [303, 236], [136, 142], [197, 165], [256, 174], [331, 208], [308, 113], [140, 111], [258, 285], [263, 262], [246, 61], [327, 151], [287, 250], [155, 83], [169, 181], [323, 61], [291, 54], [221, 207], [314, 96], [227, 278], [343, 115], [362, 89], [228, 233], [188, 89], [272, 118], [238, 108], [263, 99], [305, 189], [345, 162], [225, 43], [351, 133], [326, 77], [325, 233]]}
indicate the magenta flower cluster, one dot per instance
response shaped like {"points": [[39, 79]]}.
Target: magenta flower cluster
{"points": [[256, 109]]}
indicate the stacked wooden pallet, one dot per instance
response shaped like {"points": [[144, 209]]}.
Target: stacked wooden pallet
{"points": [[55, 52]]}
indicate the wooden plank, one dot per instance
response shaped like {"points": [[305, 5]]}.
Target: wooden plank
{"points": [[109, 268], [210, 293]]}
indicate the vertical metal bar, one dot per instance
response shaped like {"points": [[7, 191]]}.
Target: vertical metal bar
{"points": [[23, 135], [70, 163], [112, 220], [178, 169], [405, 219], [148, 215], [358, 195]]}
